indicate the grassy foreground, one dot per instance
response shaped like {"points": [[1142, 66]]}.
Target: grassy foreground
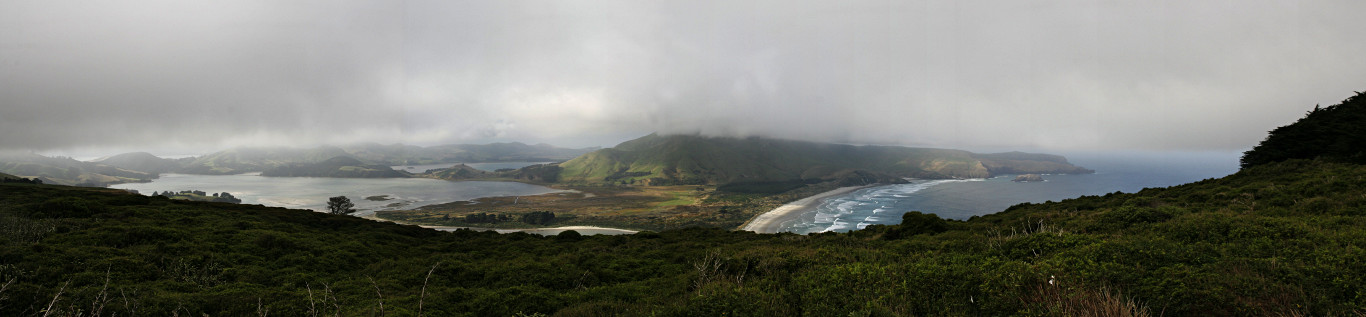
{"points": [[1280, 238]]}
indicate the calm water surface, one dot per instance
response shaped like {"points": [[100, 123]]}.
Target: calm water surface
{"points": [[312, 192]]}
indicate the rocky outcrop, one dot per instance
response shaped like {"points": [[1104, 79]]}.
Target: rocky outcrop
{"points": [[1028, 178]]}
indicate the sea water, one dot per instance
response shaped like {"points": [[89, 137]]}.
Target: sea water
{"points": [[964, 198]]}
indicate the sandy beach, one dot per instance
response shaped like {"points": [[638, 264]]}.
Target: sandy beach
{"points": [[771, 221], [587, 230]]}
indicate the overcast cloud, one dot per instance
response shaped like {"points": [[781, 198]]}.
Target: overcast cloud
{"points": [[1065, 75]]}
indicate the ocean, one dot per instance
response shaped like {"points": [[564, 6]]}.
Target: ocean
{"points": [[963, 198]]}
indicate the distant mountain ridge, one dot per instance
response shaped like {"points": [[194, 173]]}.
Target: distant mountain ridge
{"points": [[258, 159], [143, 166], [1028, 163], [690, 159], [248, 159], [243, 160]]}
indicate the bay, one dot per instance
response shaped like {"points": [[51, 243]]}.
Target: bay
{"points": [[312, 192], [963, 198]]}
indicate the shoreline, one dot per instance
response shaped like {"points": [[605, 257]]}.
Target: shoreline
{"points": [[542, 231], [771, 221]]}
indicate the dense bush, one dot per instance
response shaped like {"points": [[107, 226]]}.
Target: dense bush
{"points": [[1336, 132], [1291, 245]]}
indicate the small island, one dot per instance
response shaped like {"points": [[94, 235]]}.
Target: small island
{"points": [[341, 166], [1028, 178], [378, 198]]}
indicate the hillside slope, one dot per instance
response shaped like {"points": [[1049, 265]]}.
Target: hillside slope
{"points": [[399, 154], [141, 161], [247, 159], [67, 171], [682, 159]]}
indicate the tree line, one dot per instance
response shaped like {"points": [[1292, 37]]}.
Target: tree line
{"points": [[533, 218], [34, 181]]}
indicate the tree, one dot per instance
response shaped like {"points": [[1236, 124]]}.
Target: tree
{"points": [[340, 205]]}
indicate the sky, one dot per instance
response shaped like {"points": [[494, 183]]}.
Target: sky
{"points": [[190, 77]]}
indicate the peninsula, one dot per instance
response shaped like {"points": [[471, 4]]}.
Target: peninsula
{"points": [[661, 182]]}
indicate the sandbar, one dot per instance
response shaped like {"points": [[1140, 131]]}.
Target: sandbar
{"points": [[588, 230]]}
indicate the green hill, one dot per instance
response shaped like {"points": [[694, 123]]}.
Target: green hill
{"points": [[459, 172], [340, 166], [140, 161], [539, 173], [505, 152], [245, 160], [683, 159]]}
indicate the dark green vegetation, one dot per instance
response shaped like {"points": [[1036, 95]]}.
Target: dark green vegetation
{"points": [[1283, 237], [7, 178], [340, 166], [1336, 133], [682, 159], [67, 171], [535, 218]]}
